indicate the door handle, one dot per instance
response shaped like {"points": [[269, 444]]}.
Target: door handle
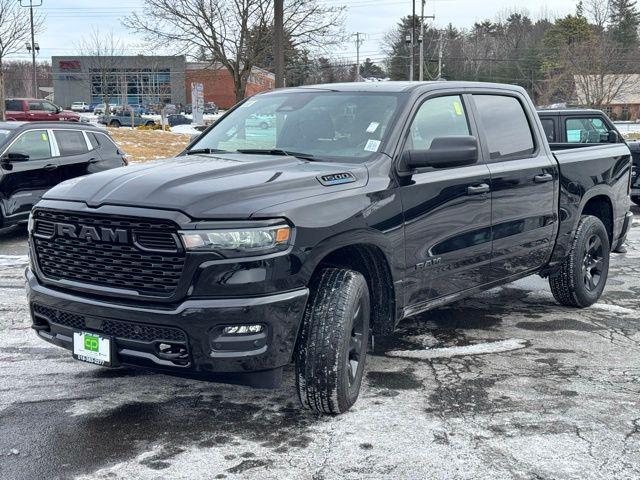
{"points": [[50, 166], [478, 189], [543, 178], [93, 160]]}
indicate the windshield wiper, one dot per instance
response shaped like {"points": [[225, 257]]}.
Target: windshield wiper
{"points": [[197, 151], [277, 151]]}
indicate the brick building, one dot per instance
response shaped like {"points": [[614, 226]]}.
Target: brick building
{"points": [[218, 83]]}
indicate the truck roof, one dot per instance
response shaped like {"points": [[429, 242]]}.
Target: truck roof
{"points": [[398, 87], [568, 111]]}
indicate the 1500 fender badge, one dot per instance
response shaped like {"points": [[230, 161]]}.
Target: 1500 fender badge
{"points": [[336, 179]]}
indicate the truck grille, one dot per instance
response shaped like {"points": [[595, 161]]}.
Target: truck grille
{"points": [[126, 253], [114, 328]]}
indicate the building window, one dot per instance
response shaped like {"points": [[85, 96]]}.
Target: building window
{"points": [[131, 85]]}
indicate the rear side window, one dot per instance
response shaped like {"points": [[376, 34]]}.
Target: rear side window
{"points": [[13, 105], [93, 140], [507, 129], [36, 106], [549, 129], [70, 142], [586, 130]]}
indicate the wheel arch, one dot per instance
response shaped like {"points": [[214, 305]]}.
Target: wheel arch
{"points": [[600, 205]]}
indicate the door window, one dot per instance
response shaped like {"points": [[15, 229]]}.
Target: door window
{"points": [[508, 133], [70, 142], [49, 107], [36, 106], [13, 105], [586, 130], [34, 143], [437, 117]]}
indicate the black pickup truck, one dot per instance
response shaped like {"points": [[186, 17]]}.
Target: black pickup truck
{"points": [[360, 205], [579, 127]]}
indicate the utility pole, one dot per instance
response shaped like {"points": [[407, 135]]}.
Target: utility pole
{"points": [[358, 43], [421, 39], [34, 46], [413, 41], [278, 41]]}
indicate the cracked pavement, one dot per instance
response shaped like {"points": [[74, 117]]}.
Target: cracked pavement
{"points": [[503, 385]]}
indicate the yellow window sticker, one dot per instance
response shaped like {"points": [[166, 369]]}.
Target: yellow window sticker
{"points": [[44, 137], [458, 108]]}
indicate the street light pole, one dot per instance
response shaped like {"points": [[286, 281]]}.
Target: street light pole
{"points": [[278, 41], [34, 73]]}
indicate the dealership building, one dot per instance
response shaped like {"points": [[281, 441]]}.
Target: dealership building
{"points": [[143, 79]]}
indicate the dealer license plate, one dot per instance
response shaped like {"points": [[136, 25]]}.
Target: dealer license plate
{"points": [[92, 348]]}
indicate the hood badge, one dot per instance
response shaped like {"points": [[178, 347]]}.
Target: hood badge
{"points": [[336, 179]]}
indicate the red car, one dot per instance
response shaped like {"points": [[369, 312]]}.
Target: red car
{"points": [[36, 110]]}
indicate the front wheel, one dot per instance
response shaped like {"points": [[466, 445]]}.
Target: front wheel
{"points": [[332, 348], [114, 124], [583, 274]]}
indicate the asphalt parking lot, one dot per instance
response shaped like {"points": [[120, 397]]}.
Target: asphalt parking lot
{"points": [[505, 385]]}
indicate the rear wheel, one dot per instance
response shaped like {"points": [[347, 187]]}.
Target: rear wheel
{"points": [[332, 350], [583, 274], [114, 124], [150, 124]]}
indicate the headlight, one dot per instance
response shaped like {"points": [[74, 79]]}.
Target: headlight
{"points": [[256, 240]]}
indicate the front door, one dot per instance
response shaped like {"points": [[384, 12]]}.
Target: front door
{"points": [[524, 178], [23, 182], [447, 211]]}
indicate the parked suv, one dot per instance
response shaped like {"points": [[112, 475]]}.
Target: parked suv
{"points": [[80, 107], [36, 110], [35, 157]]}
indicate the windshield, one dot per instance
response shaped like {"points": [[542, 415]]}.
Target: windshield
{"points": [[321, 124]]}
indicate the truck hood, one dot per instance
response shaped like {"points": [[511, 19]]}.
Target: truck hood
{"points": [[211, 187]]}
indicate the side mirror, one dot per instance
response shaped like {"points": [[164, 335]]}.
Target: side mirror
{"points": [[445, 152], [613, 137], [15, 157]]}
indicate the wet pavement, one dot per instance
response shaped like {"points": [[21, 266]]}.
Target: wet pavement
{"points": [[504, 385]]}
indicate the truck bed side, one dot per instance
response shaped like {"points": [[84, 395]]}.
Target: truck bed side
{"points": [[597, 176]]}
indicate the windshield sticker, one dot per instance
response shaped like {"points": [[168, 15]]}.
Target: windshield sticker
{"points": [[373, 126], [44, 137], [458, 108], [372, 145], [248, 104]]}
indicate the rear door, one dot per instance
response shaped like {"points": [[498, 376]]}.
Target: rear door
{"points": [[104, 153], [524, 178], [447, 212], [75, 155], [24, 182]]}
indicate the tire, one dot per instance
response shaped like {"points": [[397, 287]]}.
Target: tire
{"points": [[150, 124], [114, 124], [332, 348], [583, 274]]}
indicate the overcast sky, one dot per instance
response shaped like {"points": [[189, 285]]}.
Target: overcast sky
{"points": [[66, 21]]}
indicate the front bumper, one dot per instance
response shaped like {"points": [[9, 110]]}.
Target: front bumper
{"points": [[193, 329]]}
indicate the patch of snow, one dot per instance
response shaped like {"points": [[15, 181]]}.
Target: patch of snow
{"points": [[13, 260], [614, 308], [447, 352], [186, 129]]}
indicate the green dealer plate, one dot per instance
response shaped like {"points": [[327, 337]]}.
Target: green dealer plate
{"points": [[92, 348]]}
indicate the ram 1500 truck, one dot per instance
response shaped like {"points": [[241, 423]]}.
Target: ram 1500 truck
{"points": [[360, 205], [578, 127]]}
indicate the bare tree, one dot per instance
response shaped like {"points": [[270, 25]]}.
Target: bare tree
{"points": [[102, 51], [598, 12], [14, 32], [234, 33]]}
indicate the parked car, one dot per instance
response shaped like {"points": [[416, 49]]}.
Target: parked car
{"points": [[124, 119], [100, 107], [36, 110], [260, 121], [210, 108], [375, 202], [178, 119], [37, 156], [92, 106], [568, 127], [80, 107]]}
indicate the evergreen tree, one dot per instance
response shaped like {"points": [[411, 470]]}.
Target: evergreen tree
{"points": [[625, 21]]}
